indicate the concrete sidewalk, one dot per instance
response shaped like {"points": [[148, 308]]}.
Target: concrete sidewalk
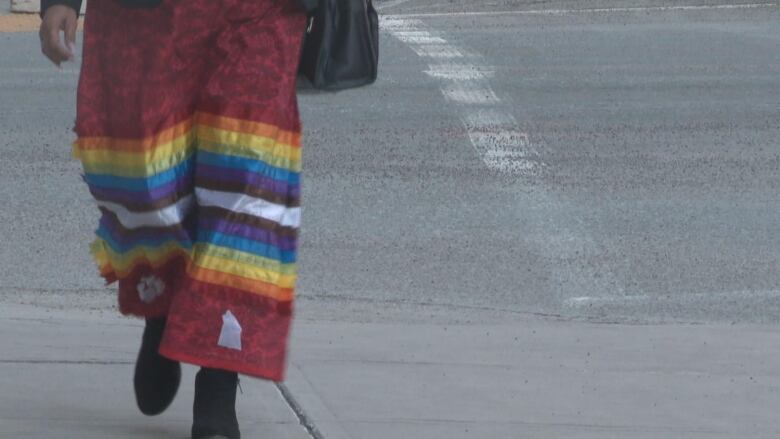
{"points": [[66, 373]]}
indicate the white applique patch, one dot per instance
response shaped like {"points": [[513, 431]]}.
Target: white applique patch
{"points": [[150, 288], [230, 336]]}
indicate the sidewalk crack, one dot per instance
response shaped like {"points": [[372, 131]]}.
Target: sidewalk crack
{"points": [[303, 418]]}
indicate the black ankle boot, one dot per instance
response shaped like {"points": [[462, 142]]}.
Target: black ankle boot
{"points": [[214, 410], [156, 378]]}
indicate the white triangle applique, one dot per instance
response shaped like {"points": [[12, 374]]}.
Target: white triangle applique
{"points": [[230, 336]]}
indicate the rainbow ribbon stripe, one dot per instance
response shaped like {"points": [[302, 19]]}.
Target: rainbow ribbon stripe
{"points": [[221, 192]]}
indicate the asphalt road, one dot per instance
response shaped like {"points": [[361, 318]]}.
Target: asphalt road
{"points": [[617, 164]]}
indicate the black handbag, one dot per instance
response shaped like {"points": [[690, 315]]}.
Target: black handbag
{"points": [[341, 47], [309, 5]]}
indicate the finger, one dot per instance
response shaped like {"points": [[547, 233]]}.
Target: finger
{"points": [[43, 34], [54, 44], [71, 25], [51, 56]]}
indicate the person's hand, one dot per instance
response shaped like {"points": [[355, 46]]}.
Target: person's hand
{"points": [[59, 18]]}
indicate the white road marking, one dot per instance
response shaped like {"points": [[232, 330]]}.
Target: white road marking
{"points": [[414, 34], [390, 4], [489, 119], [399, 23], [470, 93], [494, 134], [503, 146], [585, 11], [420, 38], [440, 51], [459, 72], [578, 302]]}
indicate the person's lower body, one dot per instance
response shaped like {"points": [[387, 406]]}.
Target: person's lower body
{"points": [[156, 378], [189, 135], [156, 381]]}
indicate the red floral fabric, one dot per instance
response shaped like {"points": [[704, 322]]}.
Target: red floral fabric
{"points": [[154, 74]]}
